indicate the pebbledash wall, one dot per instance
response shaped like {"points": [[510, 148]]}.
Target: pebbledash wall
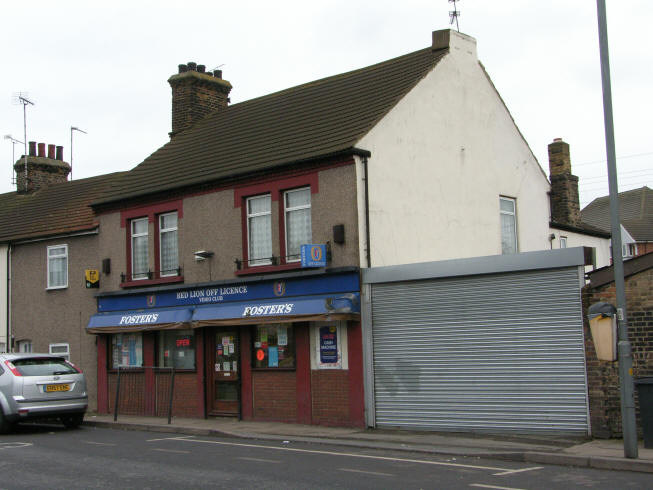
{"points": [[325, 386], [603, 376]]}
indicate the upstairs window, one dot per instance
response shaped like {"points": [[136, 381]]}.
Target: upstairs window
{"points": [[508, 225], [297, 217], [259, 230], [58, 266], [628, 250], [169, 254], [139, 237], [563, 242]]}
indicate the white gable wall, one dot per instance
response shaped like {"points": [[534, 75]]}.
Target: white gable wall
{"points": [[440, 160]]}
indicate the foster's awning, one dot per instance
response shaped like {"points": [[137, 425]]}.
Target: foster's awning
{"points": [[137, 320]]}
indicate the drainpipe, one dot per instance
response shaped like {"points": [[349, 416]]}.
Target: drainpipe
{"points": [[8, 346], [367, 215]]}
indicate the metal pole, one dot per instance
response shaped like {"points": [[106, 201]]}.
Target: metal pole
{"points": [[629, 427], [115, 408], [172, 392], [71, 153]]}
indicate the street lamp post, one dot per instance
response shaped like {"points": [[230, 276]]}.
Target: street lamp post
{"points": [[625, 356]]}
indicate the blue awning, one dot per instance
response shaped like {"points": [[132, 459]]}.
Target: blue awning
{"points": [[144, 319], [301, 308], [305, 308]]}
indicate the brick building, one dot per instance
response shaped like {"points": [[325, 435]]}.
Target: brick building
{"points": [[603, 376]]}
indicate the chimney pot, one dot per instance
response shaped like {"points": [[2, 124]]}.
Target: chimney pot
{"points": [[217, 73], [192, 66], [60, 153], [51, 152], [42, 149], [32, 148], [557, 140], [183, 68], [201, 68]]}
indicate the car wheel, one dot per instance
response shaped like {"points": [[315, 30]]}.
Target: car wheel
{"points": [[5, 425], [72, 421]]}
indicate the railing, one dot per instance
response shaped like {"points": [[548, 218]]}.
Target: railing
{"points": [[139, 390]]}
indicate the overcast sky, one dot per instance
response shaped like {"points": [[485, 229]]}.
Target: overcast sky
{"points": [[105, 69]]}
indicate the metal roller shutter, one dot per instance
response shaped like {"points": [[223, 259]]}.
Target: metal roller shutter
{"points": [[497, 352]]}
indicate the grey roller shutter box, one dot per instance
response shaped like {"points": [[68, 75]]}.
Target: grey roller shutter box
{"points": [[496, 352]]}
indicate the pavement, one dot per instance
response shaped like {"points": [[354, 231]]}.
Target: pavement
{"points": [[582, 452]]}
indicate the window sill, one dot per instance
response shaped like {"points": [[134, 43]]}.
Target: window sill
{"points": [[265, 269], [257, 369], [151, 282], [55, 288]]}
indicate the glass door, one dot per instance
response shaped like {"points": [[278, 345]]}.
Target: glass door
{"points": [[224, 386]]}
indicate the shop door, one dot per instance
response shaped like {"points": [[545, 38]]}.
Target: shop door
{"points": [[224, 369]]}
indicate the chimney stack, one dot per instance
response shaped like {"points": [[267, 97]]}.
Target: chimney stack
{"points": [[565, 203], [195, 94], [42, 170]]}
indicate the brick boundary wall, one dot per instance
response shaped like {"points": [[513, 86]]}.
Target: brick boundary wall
{"points": [[603, 376]]}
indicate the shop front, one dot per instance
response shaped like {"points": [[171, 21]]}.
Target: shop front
{"points": [[287, 348]]}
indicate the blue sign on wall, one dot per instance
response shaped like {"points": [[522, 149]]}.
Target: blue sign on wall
{"points": [[313, 255], [228, 293]]}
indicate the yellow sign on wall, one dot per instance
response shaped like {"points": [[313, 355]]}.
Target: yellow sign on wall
{"points": [[92, 278]]}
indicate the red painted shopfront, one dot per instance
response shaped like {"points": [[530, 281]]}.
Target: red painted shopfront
{"points": [[255, 354]]}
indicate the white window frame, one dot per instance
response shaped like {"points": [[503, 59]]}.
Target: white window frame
{"points": [[162, 230], [629, 250], [65, 355], [24, 345], [514, 215], [63, 255], [563, 242], [138, 235], [264, 261], [286, 211]]}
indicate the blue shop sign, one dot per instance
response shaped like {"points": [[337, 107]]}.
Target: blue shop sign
{"points": [[313, 255], [228, 293]]}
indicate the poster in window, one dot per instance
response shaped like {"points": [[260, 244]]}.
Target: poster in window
{"points": [[273, 357], [329, 345], [282, 335]]}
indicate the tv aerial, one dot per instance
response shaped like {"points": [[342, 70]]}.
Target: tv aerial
{"points": [[454, 14]]}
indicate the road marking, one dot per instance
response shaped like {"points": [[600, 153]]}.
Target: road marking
{"points": [[259, 460], [333, 453], [185, 438], [366, 472], [100, 443], [171, 451], [14, 445], [510, 472], [493, 486]]}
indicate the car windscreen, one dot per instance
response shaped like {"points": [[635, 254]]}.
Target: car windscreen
{"points": [[43, 366]]}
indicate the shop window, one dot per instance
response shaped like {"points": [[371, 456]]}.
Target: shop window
{"points": [[176, 348], [168, 244], [57, 266], [274, 346], [126, 350], [61, 350], [508, 225], [259, 230], [297, 217]]}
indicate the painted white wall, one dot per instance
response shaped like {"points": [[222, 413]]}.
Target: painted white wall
{"points": [[4, 250], [601, 245], [440, 160]]}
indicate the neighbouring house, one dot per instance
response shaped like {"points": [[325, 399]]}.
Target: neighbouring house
{"points": [[636, 218], [413, 159], [48, 237], [603, 376], [568, 226]]}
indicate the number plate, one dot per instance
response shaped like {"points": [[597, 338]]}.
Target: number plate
{"points": [[65, 387]]}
